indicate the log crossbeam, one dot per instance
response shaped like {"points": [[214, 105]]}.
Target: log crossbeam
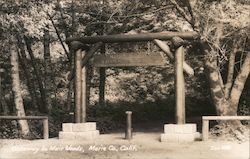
{"points": [[133, 37]]}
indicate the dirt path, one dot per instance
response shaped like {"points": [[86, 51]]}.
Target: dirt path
{"points": [[143, 146]]}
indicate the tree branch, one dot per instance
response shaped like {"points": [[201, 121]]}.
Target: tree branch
{"points": [[58, 35], [240, 81], [62, 18], [182, 12], [73, 26], [230, 74], [130, 15], [190, 10]]}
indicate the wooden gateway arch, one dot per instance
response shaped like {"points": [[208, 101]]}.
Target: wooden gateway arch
{"points": [[77, 46]]}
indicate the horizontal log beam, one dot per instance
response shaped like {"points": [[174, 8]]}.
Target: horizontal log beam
{"points": [[205, 123], [133, 37], [226, 118], [165, 48], [23, 117]]}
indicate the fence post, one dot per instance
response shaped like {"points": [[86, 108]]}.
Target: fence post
{"points": [[128, 134], [45, 128], [205, 129]]}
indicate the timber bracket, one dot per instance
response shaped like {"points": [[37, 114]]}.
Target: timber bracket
{"points": [[76, 45]]}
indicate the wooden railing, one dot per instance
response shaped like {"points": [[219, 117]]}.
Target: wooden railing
{"points": [[43, 118], [205, 123]]}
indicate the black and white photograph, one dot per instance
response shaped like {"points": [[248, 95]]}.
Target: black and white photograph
{"points": [[125, 79]]}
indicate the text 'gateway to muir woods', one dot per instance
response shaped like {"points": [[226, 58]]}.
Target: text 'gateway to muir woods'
{"points": [[77, 148]]}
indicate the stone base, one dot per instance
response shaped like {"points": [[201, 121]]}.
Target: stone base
{"points": [[78, 127], [179, 128], [179, 133], [178, 137], [86, 131], [88, 135]]}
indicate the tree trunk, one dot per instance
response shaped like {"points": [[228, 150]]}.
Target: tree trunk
{"points": [[89, 75], [239, 84], [102, 71], [62, 18], [73, 26], [42, 106], [230, 73], [29, 81], [16, 88], [3, 103], [47, 61], [227, 105], [102, 82], [70, 95], [217, 94], [71, 58], [224, 105]]}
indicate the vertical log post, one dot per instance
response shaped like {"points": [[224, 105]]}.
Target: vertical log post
{"points": [[179, 86], [45, 128], [84, 91], [128, 134], [205, 129], [78, 85], [183, 90]]}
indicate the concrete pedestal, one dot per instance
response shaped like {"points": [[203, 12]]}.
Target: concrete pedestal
{"points": [[179, 133], [86, 131]]}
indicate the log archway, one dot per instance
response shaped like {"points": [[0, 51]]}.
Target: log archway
{"points": [[82, 56]]}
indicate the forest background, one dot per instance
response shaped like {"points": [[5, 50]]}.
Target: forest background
{"points": [[35, 61]]}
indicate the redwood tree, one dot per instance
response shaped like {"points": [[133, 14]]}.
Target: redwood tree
{"points": [[16, 88], [223, 28]]}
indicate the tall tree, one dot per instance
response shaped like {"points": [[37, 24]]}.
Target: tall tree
{"points": [[24, 64], [226, 99], [3, 103], [102, 70], [16, 87], [37, 72], [48, 69]]}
